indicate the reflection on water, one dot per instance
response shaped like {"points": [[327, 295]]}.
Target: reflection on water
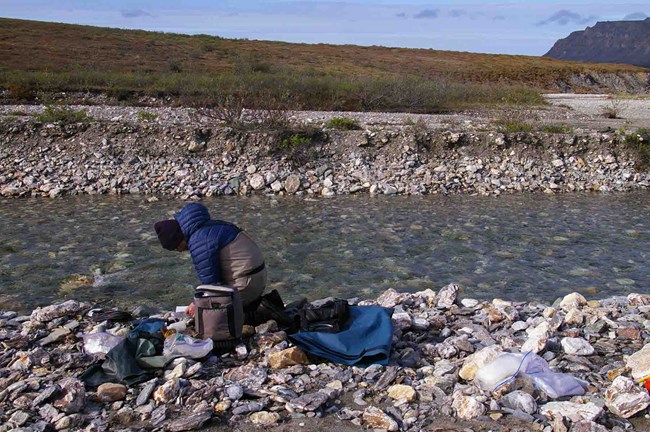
{"points": [[518, 247]]}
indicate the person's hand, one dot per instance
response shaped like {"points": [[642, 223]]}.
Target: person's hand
{"points": [[190, 309]]}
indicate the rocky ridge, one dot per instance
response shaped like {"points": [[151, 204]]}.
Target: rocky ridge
{"points": [[440, 344], [625, 42], [194, 160]]}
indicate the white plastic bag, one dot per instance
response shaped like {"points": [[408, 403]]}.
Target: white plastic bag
{"points": [[100, 343], [181, 345], [507, 366], [557, 385], [501, 370]]}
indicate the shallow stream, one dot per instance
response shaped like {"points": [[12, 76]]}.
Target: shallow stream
{"points": [[517, 247]]}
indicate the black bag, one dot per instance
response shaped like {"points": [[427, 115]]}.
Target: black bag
{"points": [[329, 316]]}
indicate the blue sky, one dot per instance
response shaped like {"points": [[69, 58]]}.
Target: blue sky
{"points": [[506, 26]]}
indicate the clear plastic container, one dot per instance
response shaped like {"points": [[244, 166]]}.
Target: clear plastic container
{"points": [[100, 343], [181, 345]]}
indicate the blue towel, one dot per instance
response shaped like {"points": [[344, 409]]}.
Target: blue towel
{"points": [[366, 338]]}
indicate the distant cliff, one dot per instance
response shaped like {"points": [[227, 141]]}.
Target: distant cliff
{"points": [[607, 42]]}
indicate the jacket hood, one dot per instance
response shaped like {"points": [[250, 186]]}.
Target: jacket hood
{"points": [[191, 218]]}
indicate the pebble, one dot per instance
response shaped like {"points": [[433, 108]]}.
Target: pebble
{"points": [[80, 161], [401, 391], [440, 343], [374, 417], [110, 392], [264, 418], [576, 346], [625, 398]]}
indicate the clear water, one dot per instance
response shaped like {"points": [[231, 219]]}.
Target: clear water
{"points": [[517, 247]]}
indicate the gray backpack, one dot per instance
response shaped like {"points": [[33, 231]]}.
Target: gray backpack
{"points": [[218, 313]]}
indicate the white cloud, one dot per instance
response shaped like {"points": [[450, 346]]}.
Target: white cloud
{"points": [[564, 17], [135, 13], [636, 16], [427, 14]]}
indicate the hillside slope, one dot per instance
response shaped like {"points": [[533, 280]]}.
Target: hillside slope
{"points": [[40, 57], [626, 42]]}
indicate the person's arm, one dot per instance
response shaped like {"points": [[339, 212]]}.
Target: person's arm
{"points": [[208, 267]]}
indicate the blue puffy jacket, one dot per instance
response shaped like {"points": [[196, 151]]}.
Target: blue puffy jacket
{"points": [[205, 237]]}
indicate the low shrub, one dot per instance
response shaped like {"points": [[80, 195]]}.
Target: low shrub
{"points": [[298, 90], [21, 91], [147, 116], [343, 123], [63, 115], [298, 143], [639, 142], [513, 126]]}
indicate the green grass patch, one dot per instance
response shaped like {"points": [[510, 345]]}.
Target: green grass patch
{"points": [[63, 115], [301, 90], [147, 116], [559, 128], [299, 143], [513, 126], [343, 123]]}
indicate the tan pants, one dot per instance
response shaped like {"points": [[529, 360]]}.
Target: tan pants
{"points": [[237, 260]]}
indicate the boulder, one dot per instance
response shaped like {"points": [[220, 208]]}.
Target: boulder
{"points": [[477, 360], [573, 411], [390, 298], [72, 396], [625, 398], [52, 312], [447, 296], [573, 301], [264, 418], [519, 400], [288, 357], [401, 391], [110, 392], [467, 407], [639, 363], [167, 392], [292, 184], [189, 422], [375, 418], [307, 402], [257, 182], [576, 346]]}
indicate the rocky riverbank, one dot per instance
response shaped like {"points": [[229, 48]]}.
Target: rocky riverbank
{"points": [[167, 153], [440, 344]]}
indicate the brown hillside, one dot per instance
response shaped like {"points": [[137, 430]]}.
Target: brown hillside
{"points": [[39, 46], [40, 56]]}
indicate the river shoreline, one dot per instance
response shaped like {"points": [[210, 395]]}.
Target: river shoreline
{"points": [[172, 154], [440, 342]]}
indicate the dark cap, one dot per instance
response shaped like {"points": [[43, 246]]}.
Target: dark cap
{"points": [[169, 233]]}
